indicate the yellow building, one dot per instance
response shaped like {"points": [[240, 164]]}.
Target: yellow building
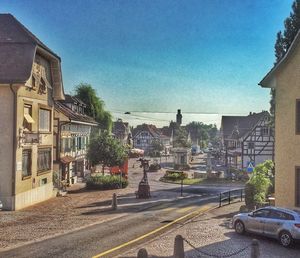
{"points": [[285, 78], [30, 81]]}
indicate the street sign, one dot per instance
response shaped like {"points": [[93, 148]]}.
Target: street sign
{"points": [[250, 166]]}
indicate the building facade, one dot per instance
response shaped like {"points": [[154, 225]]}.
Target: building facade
{"points": [[72, 130], [144, 135], [247, 140], [30, 81], [285, 78], [121, 131]]}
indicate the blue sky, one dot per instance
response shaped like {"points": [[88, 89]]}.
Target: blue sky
{"points": [[203, 56]]}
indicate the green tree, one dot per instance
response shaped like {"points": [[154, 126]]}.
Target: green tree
{"points": [[95, 106], [104, 149], [257, 187], [181, 138], [284, 41], [157, 147]]}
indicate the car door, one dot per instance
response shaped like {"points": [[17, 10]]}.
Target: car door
{"points": [[256, 220], [275, 222]]}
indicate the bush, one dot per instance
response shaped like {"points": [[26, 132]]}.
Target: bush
{"points": [[106, 182], [257, 187], [182, 167], [175, 175]]}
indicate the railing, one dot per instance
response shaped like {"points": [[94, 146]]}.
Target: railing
{"points": [[230, 196]]}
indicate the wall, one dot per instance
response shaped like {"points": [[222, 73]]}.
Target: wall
{"points": [[287, 143], [27, 188], [6, 145]]}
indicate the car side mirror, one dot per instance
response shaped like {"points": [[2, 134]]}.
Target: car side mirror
{"points": [[250, 214]]}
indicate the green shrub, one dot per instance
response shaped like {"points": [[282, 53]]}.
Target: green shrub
{"points": [[175, 175], [106, 182], [257, 187]]}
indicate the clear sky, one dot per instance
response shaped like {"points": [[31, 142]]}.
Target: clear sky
{"points": [[203, 56]]}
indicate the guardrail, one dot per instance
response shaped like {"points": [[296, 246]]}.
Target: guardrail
{"points": [[230, 196]]}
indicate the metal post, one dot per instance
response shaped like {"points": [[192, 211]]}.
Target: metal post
{"points": [[220, 201], [178, 247], [255, 249], [241, 195], [142, 253], [181, 190], [114, 204], [229, 197]]}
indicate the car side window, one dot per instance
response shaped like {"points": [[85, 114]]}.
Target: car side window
{"points": [[263, 213], [281, 215]]}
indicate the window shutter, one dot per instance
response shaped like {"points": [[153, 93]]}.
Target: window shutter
{"points": [[298, 116], [297, 190]]}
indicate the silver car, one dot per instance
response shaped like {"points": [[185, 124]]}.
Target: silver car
{"points": [[282, 224]]}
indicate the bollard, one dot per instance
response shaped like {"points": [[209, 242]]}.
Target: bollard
{"points": [[142, 253], [114, 204], [255, 249], [178, 247]]}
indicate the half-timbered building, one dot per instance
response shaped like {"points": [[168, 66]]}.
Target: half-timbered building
{"points": [[247, 140], [72, 129]]}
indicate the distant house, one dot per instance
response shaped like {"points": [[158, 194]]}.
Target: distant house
{"points": [[72, 128], [30, 82], [144, 135], [247, 140], [121, 131], [284, 77]]}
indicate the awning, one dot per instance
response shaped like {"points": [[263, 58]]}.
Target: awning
{"points": [[67, 159], [28, 118]]}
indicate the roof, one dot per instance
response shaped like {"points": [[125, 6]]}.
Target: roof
{"points": [[17, 50], [73, 100], [267, 80], [152, 129], [120, 127], [241, 125], [73, 115]]}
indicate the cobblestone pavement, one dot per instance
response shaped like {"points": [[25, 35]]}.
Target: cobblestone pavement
{"points": [[211, 233]]}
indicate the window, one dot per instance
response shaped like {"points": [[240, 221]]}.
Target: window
{"points": [[250, 145], [264, 131], [263, 213], [44, 159], [28, 121], [281, 215], [44, 120], [138, 141], [297, 190], [298, 116], [26, 163]]}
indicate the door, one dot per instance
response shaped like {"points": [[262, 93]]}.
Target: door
{"points": [[256, 221], [275, 222]]}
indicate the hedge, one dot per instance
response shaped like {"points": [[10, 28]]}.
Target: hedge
{"points": [[106, 182]]}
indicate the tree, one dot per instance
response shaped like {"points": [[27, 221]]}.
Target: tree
{"points": [[95, 106], [181, 139], [259, 184], [104, 149], [284, 41], [157, 147]]}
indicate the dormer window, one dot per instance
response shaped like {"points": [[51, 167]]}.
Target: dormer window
{"points": [[42, 88]]}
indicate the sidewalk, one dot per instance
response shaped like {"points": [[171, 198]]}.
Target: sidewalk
{"points": [[211, 233]]}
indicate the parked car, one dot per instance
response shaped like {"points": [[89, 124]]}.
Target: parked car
{"points": [[280, 223]]}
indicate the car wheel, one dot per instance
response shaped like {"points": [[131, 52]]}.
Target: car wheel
{"points": [[285, 239], [239, 227]]}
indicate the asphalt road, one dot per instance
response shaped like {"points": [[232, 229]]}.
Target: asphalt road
{"points": [[99, 238], [96, 239]]}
